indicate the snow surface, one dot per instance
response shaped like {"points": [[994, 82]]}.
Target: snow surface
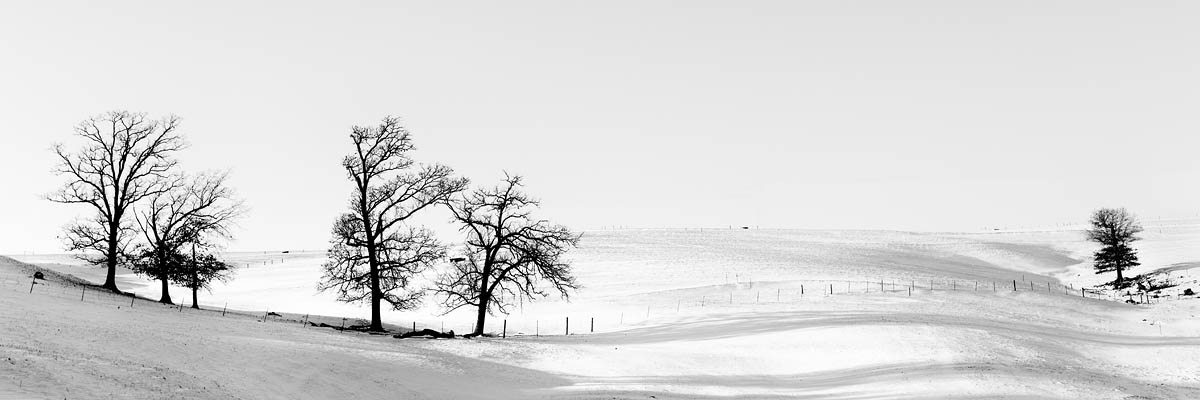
{"points": [[677, 314]]}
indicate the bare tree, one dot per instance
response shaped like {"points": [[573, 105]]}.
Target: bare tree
{"points": [[508, 255], [190, 211], [1115, 229], [203, 270], [125, 159], [374, 252]]}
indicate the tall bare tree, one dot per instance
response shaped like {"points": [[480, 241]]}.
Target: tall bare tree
{"points": [[1115, 229], [125, 159], [191, 211], [508, 255], [374, 252]]}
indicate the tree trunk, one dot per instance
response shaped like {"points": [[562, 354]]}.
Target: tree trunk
{"points": [[166, 294], [110, 278], [376, 296], [1119, 278], [484, 296], [195, 278], [372, 259], [479, 318], [162, 275], [376, 322]]}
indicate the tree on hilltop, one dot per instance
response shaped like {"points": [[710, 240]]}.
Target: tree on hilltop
{"points": [[125, 158], [1115, 229], [374, 252], [192, 212], [507, 255], [202, 271]]}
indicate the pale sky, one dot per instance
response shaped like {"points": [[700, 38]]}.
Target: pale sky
{"points": [[948, 115]]}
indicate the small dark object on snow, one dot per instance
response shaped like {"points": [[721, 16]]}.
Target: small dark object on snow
{"points": [[1130, 301], [39, 275], [273, 314], [426, 333], [354, 328], [359, 328], [1189, 292]]}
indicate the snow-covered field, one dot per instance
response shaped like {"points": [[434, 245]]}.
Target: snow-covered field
{"points": [[677, 314]]}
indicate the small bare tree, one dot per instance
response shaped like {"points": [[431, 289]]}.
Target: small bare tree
{"points": [[1115, 229], [203, 270], [374, 253], [190, 211], [508, 255], [126, 158]]}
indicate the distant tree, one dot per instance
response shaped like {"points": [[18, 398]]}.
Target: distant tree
{"points": [[125, 159], [192, 211], [508, 255], [1115, 229], [374, 252]]}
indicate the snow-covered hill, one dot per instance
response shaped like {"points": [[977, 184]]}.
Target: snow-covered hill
{"points": [[677, 314]]}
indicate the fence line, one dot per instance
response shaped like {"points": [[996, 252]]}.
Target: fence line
{"points": [[741, 293]]}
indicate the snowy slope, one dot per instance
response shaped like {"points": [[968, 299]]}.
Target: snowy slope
{"points": [[678, 314]]}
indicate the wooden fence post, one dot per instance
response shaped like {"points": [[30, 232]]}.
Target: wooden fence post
{"points": [[504, 333], [567, 329]]}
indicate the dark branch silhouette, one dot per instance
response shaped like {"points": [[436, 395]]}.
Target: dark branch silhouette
{"points": [[125, 159], [374, 253], [507, 255]]}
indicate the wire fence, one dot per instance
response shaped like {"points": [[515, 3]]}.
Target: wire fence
{"points": [[640, 309], [40, 289], [636, 311]]}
